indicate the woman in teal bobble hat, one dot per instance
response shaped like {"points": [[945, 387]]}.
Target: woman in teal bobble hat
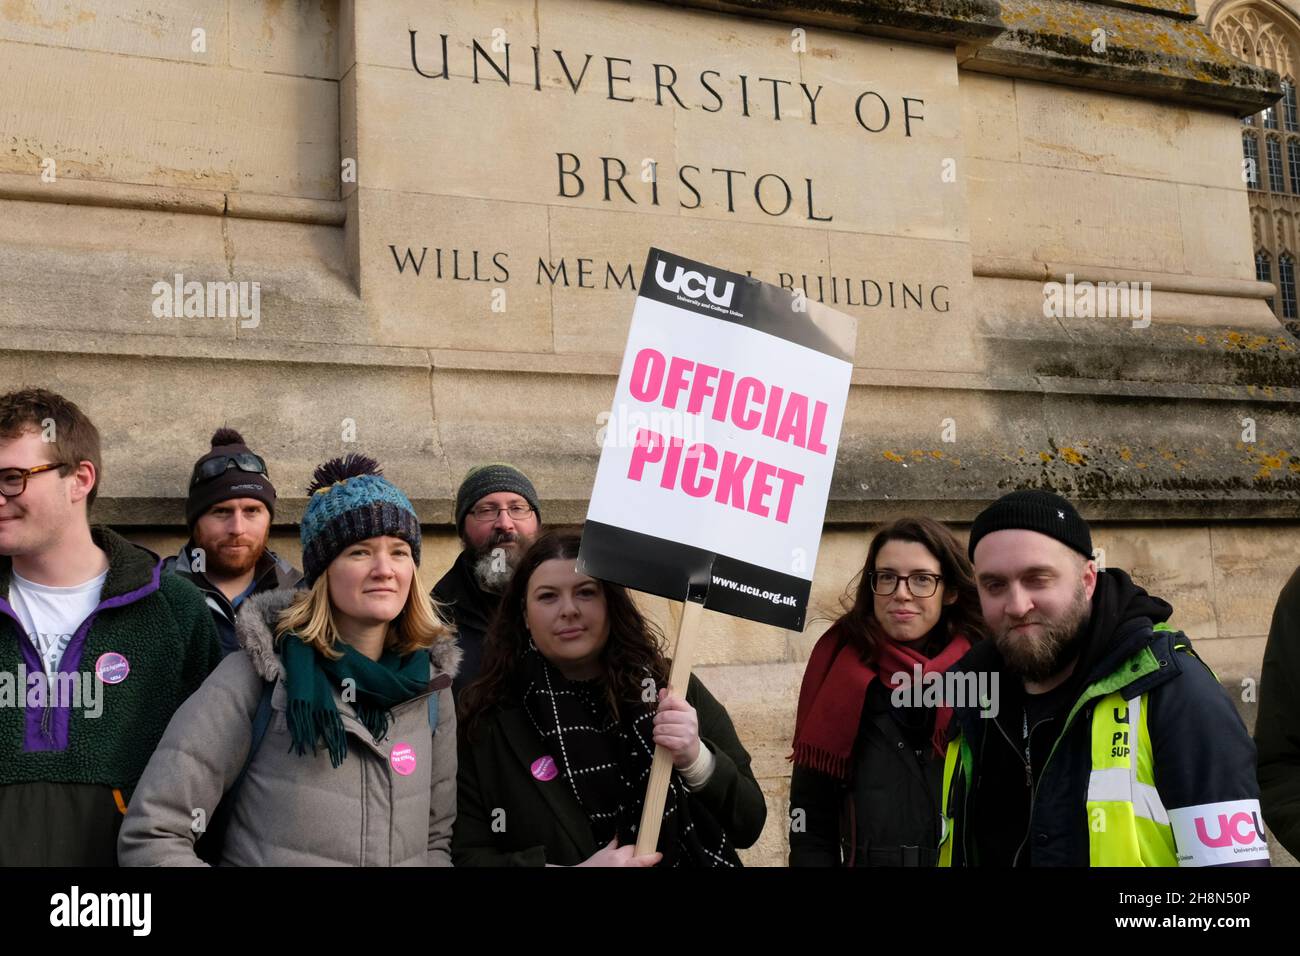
{"points": [[331, 739]]}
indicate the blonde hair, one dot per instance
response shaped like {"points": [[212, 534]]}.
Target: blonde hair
{"points": [[311, 619]]}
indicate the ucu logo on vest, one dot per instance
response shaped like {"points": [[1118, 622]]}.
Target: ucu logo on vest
{"points": [[1231, 830], [693, 285]]}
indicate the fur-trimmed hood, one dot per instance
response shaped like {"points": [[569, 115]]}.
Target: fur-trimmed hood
{"points": [[255, 630]]}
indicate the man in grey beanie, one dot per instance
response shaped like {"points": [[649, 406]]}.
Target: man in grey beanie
{"points": [[497, 517]]}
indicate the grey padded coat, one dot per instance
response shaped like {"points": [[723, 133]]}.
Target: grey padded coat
{"points": [[297, 810]]}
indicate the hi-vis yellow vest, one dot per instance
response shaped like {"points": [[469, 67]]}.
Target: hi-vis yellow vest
{"points": [[1127, 823]]}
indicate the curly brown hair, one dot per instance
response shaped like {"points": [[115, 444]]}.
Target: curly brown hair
{"points": [[633, 651]]}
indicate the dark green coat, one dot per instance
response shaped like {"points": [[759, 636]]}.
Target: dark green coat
{"points": [[60, 766], [1277, 728], [540, 822]]}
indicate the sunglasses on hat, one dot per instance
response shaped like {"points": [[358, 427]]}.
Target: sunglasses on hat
{"points": [[212, 467]]}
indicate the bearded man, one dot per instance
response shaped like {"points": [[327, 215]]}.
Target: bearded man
{"points": [[1113, 744], [229, 509], [497, 517]]}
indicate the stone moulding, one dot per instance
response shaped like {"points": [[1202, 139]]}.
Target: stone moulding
{"points": [[1154, 48], [1186, 9], [1156, 55], [941, 22], [200, 202]]}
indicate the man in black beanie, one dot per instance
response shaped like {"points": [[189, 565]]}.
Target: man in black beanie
{"points": [[497, 517], [229, 509], [1113, 744]]}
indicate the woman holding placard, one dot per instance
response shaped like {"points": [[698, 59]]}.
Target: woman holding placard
{"points": [[868, 745], [559, 731]]}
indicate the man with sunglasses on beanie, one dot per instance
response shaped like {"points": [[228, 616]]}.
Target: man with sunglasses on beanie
{"points": [[229, 509], [1113, 744], [497, 517]]}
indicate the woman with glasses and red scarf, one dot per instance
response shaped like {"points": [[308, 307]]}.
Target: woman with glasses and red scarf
{"points": [[869, 741]]}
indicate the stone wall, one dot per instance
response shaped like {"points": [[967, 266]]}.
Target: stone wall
{"points": [[306, 148]]}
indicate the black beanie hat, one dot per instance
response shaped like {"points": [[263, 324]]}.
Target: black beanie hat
{"points": [[231, 483], [484, 480], [1039, 511]]}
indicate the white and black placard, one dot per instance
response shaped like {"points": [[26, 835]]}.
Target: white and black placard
{"points": [[720, 446]]}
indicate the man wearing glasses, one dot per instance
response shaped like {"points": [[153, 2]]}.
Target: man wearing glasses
{"points": [[497, 517], [229, 509], [97, 647]]}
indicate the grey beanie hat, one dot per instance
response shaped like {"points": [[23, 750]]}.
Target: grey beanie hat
{"points": [[488, 479]]}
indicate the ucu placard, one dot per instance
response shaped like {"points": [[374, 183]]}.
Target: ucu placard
{"points": [[694, 284], [1214, 834]]}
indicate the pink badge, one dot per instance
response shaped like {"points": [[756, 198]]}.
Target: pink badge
{"points": [[403, 759], [112, 668], [544, 768]]}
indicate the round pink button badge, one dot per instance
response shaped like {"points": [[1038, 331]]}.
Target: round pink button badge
{"points": [[112, 668], [403, 759], [544, 768]]}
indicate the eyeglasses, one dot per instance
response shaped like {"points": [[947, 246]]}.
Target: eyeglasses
{"points": [[920, 585], [516, 511], [13, 481], [244, 461]]}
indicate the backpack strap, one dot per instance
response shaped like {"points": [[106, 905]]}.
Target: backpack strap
{"points": [[210, 843], [438, 684], [261, 721]]}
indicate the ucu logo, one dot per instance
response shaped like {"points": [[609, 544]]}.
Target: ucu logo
{"points": [[1230, 830], [693, 284]]}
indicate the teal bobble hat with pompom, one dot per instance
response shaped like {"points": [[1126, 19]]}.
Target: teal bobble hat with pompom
{"points": [[349, 500]]}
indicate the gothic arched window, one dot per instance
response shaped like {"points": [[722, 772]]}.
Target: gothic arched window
{"points": [[1286, 285], [1250, 150], [1266, 33], [1264, 272], [1276, 181]]}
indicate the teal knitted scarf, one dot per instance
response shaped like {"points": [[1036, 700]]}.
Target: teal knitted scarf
{"points": [[310, 679]]}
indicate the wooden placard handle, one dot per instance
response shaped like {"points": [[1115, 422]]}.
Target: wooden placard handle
{"points": [[661, 770]]}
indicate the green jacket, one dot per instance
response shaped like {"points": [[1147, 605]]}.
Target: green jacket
{"points": [[506, 817], [60, 765], [1277, 728]]}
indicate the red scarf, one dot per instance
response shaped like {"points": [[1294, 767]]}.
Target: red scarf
{"points": [[834, 692]]}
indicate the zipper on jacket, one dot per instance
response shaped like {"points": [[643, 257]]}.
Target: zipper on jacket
{"points": [[965, 800], [1069, 722], [936, 820], [47, 712], [1028, 773], [1029, 780]]}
